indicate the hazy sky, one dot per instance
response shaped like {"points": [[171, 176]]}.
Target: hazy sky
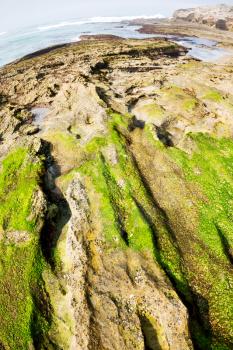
{"points": [[21, 13]]}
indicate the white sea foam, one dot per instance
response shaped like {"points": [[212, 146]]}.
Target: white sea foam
{"points": [[17, 44], [60, 25], [122, 18], [76, 38], [97, 20]]}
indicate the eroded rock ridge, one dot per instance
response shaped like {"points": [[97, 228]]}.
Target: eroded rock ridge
{"points": [[116, 190]]}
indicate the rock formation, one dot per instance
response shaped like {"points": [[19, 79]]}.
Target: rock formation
{"points": [[220, 16], [116, 193]]}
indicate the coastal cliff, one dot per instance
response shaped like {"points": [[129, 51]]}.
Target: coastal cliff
{"points": [[220, 17], [116, 192]]}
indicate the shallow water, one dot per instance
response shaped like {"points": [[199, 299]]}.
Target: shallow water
{"points": [[39, 113], [18, 44], [203, 49]]}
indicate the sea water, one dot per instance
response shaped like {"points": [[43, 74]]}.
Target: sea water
{"points": [[14, 45]]}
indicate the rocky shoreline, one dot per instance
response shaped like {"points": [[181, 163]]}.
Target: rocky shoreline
{"points": [[115, 220], [220, 16], [196, 22], [184, 29]]}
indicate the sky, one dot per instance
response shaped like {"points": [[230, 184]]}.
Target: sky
{"points": [[23, 13]]}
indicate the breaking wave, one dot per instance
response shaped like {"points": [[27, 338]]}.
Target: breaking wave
{"points": [[97, 20]]}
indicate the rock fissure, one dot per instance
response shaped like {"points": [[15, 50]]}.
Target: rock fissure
{"points": [[126, 232], [58, 213]]}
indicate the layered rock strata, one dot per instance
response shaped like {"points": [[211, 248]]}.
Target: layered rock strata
{"points": [[115, 220], [220, 17]]}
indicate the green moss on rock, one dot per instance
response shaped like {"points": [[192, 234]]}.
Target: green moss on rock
{"points": [[18, 181], [213, 95], [174, 205], [183, 99], [21, 261], [200, 186]]}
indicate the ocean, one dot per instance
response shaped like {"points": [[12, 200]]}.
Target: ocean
{"points": [[14, 45]]}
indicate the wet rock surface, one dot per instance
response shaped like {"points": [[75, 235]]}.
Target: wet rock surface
{"points": [[182, 28], [115, 194]]}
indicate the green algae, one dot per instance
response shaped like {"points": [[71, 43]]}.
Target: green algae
{"points": [[189, 104], [93, 170], [125, 205], [126, 212], [210, 168], [18, 180], [116, 201], [21, 263], [95, 144], [152, 111], [206, 268], [21, 268], [66, 141], [129, 216], [138, 233], [185, 99], [213, 95]]}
